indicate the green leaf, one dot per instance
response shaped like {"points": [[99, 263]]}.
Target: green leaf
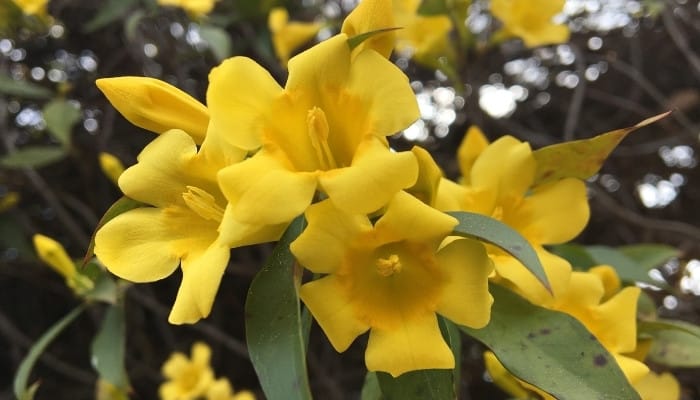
{"points": [[218, 39], [109, 12], [435, 384], [33, 157], [581, 158], [131, 24], [109, 348], [675, 344], [370, 388], [120, 206], [501, 235], [60, 116], [105, 289], [433, 7], [551, 350], [25, 368], [575, 254], [358, 39], [627, 269], [450, 331], [273, 323], [23, 89], [649, 255]]}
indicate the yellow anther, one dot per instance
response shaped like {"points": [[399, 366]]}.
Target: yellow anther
{"points": [[202, 203], [389, 266], [497, 213], [317, 125]]}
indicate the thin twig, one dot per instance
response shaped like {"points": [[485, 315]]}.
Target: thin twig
{"points": [[645, 222], [14, 335], [680, 40], [237, 347], [574, 110]]}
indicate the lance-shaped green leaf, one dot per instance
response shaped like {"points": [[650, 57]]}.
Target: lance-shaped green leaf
{"points": [[273, 324], [675, 343], [358, 39], [581, 158], [33, 157], [370, 387], [495, 232], [109, 348], [649, 255], [550, 350], [23, 89], [218, 40], [22, 392], [120, 206], [60, 116], [627, 269], [110, 11]]}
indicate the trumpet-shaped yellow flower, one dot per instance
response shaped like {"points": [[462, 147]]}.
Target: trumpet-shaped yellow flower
{"points": [[658, 387], [423, 38], [221, 390], [613, 322], [155, 105], [32, 7], [391, 278], [324, 131], [531, 20], [181, 227], [187, 378], [52, 253], [289, 36], [111, 166], [498, 182], [195, 8]]}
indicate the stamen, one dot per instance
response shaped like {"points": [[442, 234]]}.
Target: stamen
{"points": [[203, 204], [318, 133], [388, 266]]}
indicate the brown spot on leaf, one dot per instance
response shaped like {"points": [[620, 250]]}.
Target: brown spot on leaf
{"points": [[545, 331], [600, 360]]}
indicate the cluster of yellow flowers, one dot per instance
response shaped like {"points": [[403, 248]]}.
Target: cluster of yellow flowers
{"points": [[237, 171], [193, 378]]}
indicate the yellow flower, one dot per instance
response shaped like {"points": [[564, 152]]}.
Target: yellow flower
{"points": [[181, 227], [221, 390], [32, 7], [111, 166], [423, 38], [289, 36], [658, 387], [155, 105], [52, 253], [531, 20], [391, 278], [613, 322], [195, 8], [187, 378], [8, 201], [498, 182], [325, 130]]}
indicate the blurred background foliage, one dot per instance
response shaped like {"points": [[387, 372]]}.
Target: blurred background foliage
{"points": [[626, 60]]}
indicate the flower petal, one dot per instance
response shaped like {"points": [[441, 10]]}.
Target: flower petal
{"points": [[616, 321], [201, 276], [506, 165], [333, 311], [634, 370], [384, 89], [429, 177], [473, 144], [322, 246], [368, 16], [658, 387], [263, 192], [123, 241], [417, 344], [375, 176], [325, 65], [407, 218], [555, 212], [236, 233], [239, 97], [502, 378], [550, 34], [159, 178], [465, 298], [156, 105]]}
